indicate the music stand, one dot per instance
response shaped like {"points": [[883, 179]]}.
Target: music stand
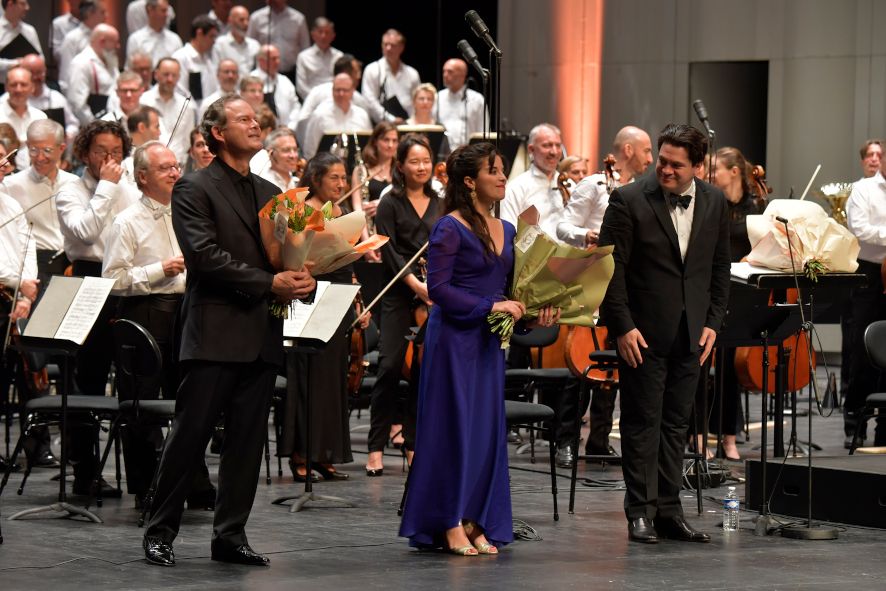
{"points": [[59, 325], [508, 142], [344, 140], [434, 133]]}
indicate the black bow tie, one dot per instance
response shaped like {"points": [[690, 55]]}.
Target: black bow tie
{"points": [[681, 200]]}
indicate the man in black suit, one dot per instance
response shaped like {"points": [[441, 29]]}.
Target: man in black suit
{"points": [[665, 304], [231, 346]]}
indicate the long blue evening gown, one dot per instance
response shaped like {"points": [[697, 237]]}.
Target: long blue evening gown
{"points": [[460, 469]]}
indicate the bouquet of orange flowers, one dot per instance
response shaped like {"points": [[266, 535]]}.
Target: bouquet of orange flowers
{"points": [[297, 236]]}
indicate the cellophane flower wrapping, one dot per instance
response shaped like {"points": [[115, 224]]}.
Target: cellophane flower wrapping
{"points": [[820, 244], [296, 236], [548, 273]]}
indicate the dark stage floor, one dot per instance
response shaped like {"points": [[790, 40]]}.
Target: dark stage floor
{"points": [[337, 548]]}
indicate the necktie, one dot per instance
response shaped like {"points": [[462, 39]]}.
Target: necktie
{"points": [[681, 200]]}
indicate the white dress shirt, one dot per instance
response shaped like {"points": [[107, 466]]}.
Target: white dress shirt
{"points": [[284, 182], [137, 16], [140, 239], [86, 210], [53, 99], [314, 66], [461, 113], [193, 61], [328, 118], [585, 210], [533, 187], [378, 80], [89, 75], [260, 163], [8, 33], [156, 44], [323, 92], [284, 95], [169, 110], [682, 219], [222, 25], [29, 188], [14, 244], [61, 26], [227, 48], [866, 217], [20, 124], [74, 42], [289, 33]]}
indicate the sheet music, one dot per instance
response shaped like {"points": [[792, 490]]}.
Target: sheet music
{"points": [[300, 312], [745, 270], [85, 309], [48, 315]]}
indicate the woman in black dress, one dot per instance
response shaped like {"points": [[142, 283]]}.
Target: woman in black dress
{"points": [[406, 215], [378, 158], [326, 178]]}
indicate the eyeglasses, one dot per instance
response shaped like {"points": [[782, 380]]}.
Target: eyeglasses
{"points": [[128, 90], [166, 169], [102, 153], [45, 151]]}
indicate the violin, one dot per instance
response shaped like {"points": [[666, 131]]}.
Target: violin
{"points": [[440, 173], [763, 189], [420, 313], [563, 187], [356, 364], [300, 166], [609, 171]]}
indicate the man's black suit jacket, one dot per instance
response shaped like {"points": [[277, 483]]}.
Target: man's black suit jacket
{"points": [[651, 285], [225, 314]]}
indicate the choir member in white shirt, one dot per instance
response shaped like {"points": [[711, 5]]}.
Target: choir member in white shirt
{"points": [[12, 26], [234, 44], [94, 74], [154, 38], [583, 216], [128, 92], [279, 90], [538, 185], [389, 77], [50, 101], [15, 110], [283, 154], [315, 64], [166, 98], [142, 64], [137, 17], [340, 115], [36, 186], [92, 13], [16, 246], [143, 126], [62, 25], [198, 59], [227, 75], [86, 210], [458, 108], [288, 32], [871, 153], [220, 11], [251, 92]]}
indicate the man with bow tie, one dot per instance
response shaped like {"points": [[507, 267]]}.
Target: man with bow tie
{"points": [[665, 304], [144, 257]]}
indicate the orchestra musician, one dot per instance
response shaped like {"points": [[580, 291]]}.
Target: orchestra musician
{"points": [[378, 156], [231, 346], [326, 179], [665, 303], [406, 216]]}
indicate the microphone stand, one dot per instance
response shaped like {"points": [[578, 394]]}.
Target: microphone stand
{"points": [[810, 531]]}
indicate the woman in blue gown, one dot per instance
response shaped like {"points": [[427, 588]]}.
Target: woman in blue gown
{"points": [[459, 496]]}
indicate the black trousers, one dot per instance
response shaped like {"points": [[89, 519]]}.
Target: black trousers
{"points": [[242, 391], [656, 404], [868, 305], [602, 406], [385, 401]]}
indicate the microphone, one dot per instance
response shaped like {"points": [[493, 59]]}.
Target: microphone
{"points": [[482, 31], [471, 57], [702, 113]]}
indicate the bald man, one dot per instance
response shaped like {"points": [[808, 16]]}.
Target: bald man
{"points": [[50, 101], [458, 108], [339, 114], [15, 110], [234, 44], [94, 74]]}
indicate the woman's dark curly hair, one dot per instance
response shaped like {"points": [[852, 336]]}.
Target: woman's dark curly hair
{"points": [[83, 141]]}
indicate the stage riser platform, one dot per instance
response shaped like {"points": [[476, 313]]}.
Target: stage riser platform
{"points": [[845, 489]]}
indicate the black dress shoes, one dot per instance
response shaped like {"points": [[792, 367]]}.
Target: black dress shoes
{"points": [[565, 457], [676, 528], [641, 530], [45, 459], [84, 488], [158, 552], [242, 554]]}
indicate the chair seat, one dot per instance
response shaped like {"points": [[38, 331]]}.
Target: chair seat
{"points": [[552, 373], [153, 408], [526, 412], [76, 402], [876, 399], [605, 356]]}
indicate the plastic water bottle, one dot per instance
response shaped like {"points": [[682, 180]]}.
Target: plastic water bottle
{"points": [[730, 510]]}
